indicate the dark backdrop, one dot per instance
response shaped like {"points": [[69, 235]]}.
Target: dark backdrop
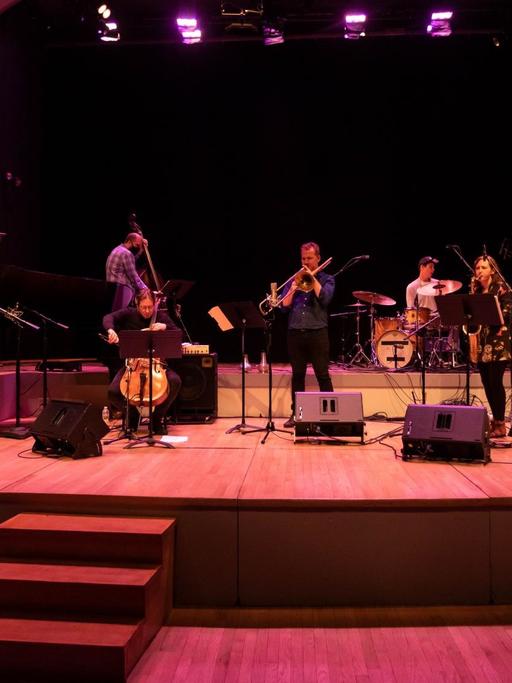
{"points": [[232, 155]]}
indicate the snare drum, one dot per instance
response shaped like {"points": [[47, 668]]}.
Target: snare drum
{"points": [[385, 349], [381, 325], [415, 317]]}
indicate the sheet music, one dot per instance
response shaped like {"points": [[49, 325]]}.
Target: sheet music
{"points": [[220, 319]]}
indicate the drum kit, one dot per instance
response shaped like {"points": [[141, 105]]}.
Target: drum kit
{"points": [[396, 342]]}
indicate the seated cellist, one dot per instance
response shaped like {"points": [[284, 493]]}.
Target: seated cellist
{"points": [[140, 318]]}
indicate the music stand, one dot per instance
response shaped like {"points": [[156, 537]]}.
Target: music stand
{"points": [[148, 344], [270, 426], [240, 315], [469, 309], [18, 431]]}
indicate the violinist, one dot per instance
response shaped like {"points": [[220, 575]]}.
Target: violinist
{"points": [[121, 269], [139, 318], [493, 342]]}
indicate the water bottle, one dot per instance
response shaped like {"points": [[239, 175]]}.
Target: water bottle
{"points": [[246, 365], [263, 366], [105, 414]]}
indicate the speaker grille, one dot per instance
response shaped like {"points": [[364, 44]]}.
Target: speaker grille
{"points": [[197, 400]]}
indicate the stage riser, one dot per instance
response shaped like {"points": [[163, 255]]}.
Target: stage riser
{"points": [[364, 558], [287, 557], [388, 393]]}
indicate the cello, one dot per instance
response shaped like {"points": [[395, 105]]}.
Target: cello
{"points": [[135, 381]]}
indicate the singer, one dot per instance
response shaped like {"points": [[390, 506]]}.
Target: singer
{"points": [[308, 338], [426, 266], [493, 343], [120, 268]]}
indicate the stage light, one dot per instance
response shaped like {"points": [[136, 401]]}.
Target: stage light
{"points": [[104, 11], [273, 34], [355, 25], [109, 32], [242, 16], [189, 30], [440, 24]]}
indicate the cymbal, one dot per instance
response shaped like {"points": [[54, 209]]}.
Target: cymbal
{"points": [[374, 298], [356, 304], [440, 287]]}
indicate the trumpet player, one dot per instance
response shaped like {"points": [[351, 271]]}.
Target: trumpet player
{"points": [[306, 299], [493, 342]]}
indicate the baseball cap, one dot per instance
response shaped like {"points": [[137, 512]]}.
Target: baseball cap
{"points": [[426, 260]]}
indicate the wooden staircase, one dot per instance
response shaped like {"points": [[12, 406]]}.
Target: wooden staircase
{"points": [[81, 597]]}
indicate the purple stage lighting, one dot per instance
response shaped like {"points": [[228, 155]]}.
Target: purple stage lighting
{"points": [[189, 30], [355, 24], [440, 24]]}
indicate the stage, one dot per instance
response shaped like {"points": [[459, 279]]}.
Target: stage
{"points": [[293, 524]]}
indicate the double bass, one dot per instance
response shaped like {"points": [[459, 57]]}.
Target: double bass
{"points": [[157, 281], [134, 383]]}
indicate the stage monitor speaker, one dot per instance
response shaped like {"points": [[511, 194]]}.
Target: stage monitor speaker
{"points": [[72, 428], [321, 413], [444, 432], [197, 400]]}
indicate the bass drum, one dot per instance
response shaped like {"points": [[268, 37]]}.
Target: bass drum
{"points": [[386, 345]]}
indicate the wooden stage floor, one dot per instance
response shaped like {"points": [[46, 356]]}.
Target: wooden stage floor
{"points": [[293, 524]]}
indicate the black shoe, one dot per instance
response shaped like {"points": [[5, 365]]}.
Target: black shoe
{"points": [[159, 427], [290, 423]]}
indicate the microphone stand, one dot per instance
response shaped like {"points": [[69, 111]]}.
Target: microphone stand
{"points": [[45, 320], [351, 262], [17, 432]]}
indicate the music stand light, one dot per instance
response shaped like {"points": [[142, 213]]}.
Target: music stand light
{"points": [[469, 309], [239, 315], [150, 344]]}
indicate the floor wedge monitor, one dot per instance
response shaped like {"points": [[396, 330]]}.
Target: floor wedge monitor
{"points": [[72, 428], [328, 414], [444, 432]]}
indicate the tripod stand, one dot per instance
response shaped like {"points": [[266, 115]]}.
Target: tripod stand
{"points": [[359, 356], [126, 430], [44, 364], [148, 344], [14, 316], [270, 426], [240, 315]]}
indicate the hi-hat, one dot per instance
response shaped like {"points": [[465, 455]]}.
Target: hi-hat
{"points": [[356, 304], [374, 298], [440, 287]]}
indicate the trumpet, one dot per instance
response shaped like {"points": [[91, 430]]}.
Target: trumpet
{"points": [[303, 280]]}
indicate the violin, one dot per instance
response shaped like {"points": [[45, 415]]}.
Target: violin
{"points": [[135, 380]]}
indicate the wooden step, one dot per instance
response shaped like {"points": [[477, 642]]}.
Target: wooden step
{"points": [[46, 650], [87, 538], [79, 590]]}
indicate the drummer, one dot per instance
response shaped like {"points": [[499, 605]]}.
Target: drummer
{"points": [[426, 267]]}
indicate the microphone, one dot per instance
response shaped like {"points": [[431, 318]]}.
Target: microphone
{"points": [[452, 246], [364, 257]]}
